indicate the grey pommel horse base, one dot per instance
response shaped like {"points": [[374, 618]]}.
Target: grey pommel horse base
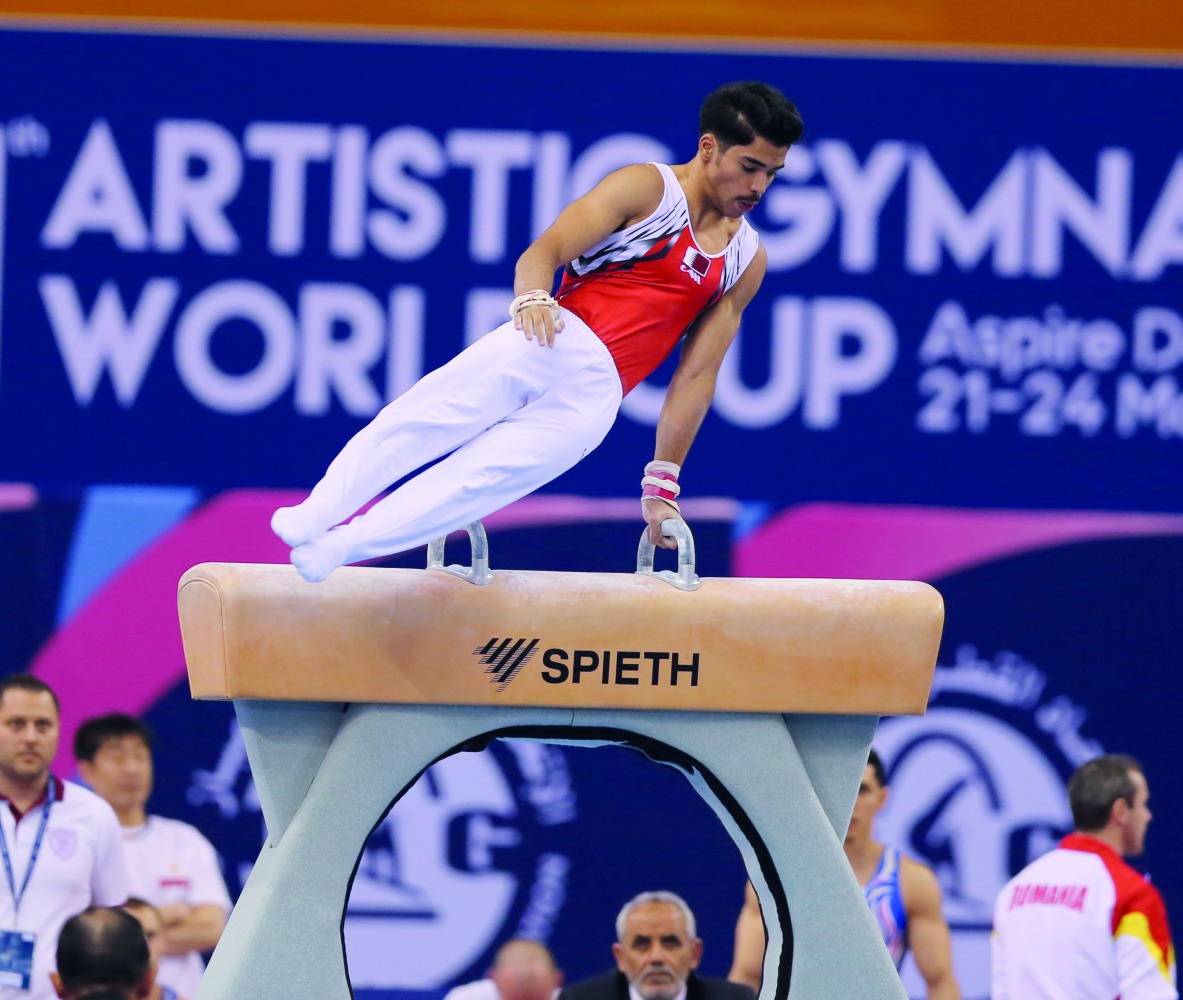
{"points": [[765, 693]]}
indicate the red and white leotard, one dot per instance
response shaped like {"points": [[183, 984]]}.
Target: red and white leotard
{"points": [[641, 288]]}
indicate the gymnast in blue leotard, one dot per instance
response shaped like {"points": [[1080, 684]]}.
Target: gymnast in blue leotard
{"points": [[903, 895]]}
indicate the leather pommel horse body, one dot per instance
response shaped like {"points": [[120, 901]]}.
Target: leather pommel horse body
{"points": [[765, 693]]}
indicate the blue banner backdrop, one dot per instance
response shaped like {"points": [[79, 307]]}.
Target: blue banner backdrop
{"points": [[221, 255]]}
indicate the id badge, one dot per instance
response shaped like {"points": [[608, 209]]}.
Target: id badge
{"points": [[16, 959]]}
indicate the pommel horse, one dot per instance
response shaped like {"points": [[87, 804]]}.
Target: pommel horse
{"points": [[765, 693]]}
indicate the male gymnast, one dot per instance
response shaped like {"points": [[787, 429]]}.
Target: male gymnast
{"points": [[652, 254]]}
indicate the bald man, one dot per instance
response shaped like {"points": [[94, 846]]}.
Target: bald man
{"points": [[522, 970]]}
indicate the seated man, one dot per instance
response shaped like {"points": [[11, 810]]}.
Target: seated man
{"points": [[102, 955], [522, 970], [149, 919], [656, 953]]}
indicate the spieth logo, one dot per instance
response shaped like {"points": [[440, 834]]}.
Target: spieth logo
{"points": [[977, 790], [503, 658], [462, 862], [696, 264]]}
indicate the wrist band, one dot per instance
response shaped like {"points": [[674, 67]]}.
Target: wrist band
{"points": [[537, 297], [661, 483]]}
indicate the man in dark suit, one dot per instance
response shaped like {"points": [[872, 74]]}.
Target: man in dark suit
{"points": [[656, 953]]}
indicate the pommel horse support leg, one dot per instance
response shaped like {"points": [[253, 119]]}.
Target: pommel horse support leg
{"points": [[765, 693]]}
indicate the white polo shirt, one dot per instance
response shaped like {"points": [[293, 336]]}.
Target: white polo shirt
{"points": [[79, 864], [481, 989], [171, 862]]}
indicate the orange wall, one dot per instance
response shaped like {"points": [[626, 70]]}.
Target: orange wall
{"points": [[1151, 26]]}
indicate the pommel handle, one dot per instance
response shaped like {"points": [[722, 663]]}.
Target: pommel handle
{"points": [[686, 578], [479, 572]]}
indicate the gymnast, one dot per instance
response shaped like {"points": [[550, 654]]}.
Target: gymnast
{"points": [[652, 254]]}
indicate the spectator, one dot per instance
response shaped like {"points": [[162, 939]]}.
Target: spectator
{"points": [[1079, 923], [656, 953], [904, 897], [60, 841], [522, 970], [102, 955], [170, 864], [149, 919]]}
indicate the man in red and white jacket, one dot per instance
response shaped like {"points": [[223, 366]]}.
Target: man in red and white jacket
{"points": [[1079, 923]]}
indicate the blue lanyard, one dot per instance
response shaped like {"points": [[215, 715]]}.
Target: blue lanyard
{"points": [[18, 896]]}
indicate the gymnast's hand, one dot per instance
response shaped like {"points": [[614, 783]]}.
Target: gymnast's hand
{"points": [[656, 511], [538, 316]]}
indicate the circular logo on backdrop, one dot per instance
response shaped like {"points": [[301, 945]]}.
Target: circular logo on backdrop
{"points": [[977, 789], [464, 860]]}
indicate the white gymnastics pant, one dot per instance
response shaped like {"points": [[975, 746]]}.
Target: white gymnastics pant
{"points": [[509, 414]]}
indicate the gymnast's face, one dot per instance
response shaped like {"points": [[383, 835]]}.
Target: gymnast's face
{"points": [[738, 176], [871, 798], [657, 952]]}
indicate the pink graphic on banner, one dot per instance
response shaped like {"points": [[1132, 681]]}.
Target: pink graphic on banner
{"points": [[17, 496], [121, 652], [847, 541]]}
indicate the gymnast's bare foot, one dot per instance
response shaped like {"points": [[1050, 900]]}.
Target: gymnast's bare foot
{"points": [[317, 558], [300, 524]]}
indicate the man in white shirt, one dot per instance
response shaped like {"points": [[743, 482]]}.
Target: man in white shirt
{"points": [[170, 864], [59, 842], [523, 969]]}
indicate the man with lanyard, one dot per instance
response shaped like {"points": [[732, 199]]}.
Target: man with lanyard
{"points": [[60, 843]]}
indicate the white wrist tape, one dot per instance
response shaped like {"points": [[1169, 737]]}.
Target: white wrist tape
{"points": [[671, 468], [538, 297]]}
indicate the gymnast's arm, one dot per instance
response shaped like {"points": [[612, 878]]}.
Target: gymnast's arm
{"points": [[623, 197], [928, 934], [693, 386], [747, 961]]}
